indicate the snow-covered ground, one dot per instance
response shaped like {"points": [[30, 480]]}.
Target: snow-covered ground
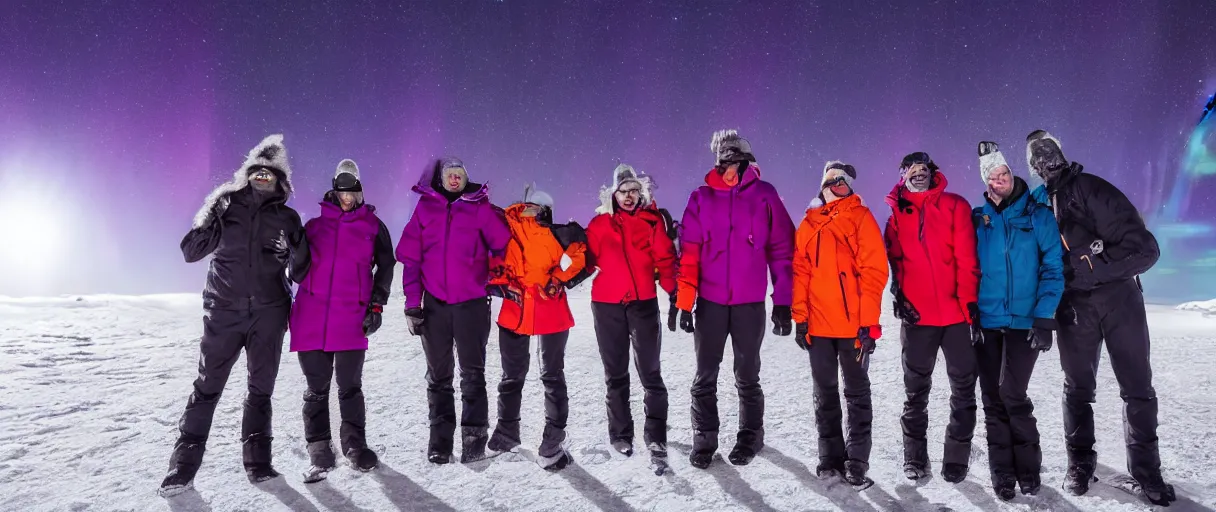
{"points": [[91, 391]]}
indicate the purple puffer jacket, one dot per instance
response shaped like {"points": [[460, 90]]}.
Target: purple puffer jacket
{"points": [[333, 298], [731, 238], [446, 245]]}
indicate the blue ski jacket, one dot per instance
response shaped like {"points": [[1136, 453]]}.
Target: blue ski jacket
{"points": [[1021, 260]]}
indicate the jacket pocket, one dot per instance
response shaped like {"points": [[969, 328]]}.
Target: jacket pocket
{"points": [[844, 297]]}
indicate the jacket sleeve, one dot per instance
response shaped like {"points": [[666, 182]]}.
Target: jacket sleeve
{"points": [[780, 251], [382, 279], [1129, 248], [872, 269], [200, 242], [576, 251], [494, 231], [301, 253], [800, 304], [1051, 264], [409, 253], [663, 252], [966, 263], [895, 253], [593, 239], [689, 274]]}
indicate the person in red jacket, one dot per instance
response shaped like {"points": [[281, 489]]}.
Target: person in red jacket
{"points": [[628, 241], [931, 245]]}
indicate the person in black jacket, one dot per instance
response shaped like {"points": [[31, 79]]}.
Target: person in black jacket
{"points": [[257, 243], [1107, 246]]}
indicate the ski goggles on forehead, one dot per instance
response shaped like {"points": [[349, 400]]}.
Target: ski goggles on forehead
{"points": [[839, 180], [347, 182]]}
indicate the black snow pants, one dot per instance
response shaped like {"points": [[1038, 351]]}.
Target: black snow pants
{"points": [[744, 324], [617, 326], [516, 356], [920, 347], [828, 354], [464, 326], [1115, 314], [1006, 363], [346, 368], [260, 332]]}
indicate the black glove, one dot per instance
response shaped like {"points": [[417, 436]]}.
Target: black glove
{"points": [[977, 333], [783, 321], [904, 310], [686, 321], [415, 318], [1041, 335], [800, 335], [673, 314], [280, 248], [371, 321], [866, 342]]}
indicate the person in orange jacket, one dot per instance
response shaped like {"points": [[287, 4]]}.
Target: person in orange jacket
{"points": [[540, 262], [840, 269]]}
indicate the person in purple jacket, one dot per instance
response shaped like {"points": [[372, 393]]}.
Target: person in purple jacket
{"points": [[445, 251], [735, 230], [337, 307]]}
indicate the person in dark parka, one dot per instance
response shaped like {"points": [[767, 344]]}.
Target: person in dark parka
{"points": [[257, 243], [1107, 246], [1022, 278]]}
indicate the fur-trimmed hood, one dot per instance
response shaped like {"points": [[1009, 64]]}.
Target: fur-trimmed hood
{"points": [[270, 153], [623, 173]]}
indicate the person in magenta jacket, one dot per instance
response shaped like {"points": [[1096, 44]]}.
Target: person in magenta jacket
{"points": [[735, 233], [337, 308], [445, 252]]}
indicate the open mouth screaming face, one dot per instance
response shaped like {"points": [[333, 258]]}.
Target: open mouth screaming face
{"points": [[919, 175], [628, 196], [264, 180]]}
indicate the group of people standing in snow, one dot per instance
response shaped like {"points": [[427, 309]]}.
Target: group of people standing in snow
{"points": [[990, 287]]}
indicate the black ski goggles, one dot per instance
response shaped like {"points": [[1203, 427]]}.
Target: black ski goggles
{"points": [[347, 182]]}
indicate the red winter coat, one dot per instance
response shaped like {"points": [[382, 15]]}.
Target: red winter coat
{"points": [[931, 244], [628, 270]]}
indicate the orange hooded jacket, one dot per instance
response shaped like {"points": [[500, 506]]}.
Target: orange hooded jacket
{"points": [[531, 269], [840, 269]]}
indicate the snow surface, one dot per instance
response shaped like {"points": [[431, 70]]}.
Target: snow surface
{"points": [[1207, 307], [92, 389]]}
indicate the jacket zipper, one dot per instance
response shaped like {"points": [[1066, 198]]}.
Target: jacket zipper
{"points": [[447, 234], [1008, 266], [333, 267], [730, 234], [253, 260], [923, 246], [628, 264], [818, 242], [844, 297]]}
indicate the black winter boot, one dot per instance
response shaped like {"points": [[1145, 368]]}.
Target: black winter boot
{"points": [[183, 465], [954, 473], [1030, 484], [473, 440], [829, 468], [1003, 484], [1080, 473], [256, 451]]}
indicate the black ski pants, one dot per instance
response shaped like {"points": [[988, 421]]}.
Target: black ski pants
{"points": [[260, 333], [827, 355], [1006, 363], [617, 327], [920, 347], [516, 356], [744, 324], [1113, 314], [464, 327], [346, 368]]}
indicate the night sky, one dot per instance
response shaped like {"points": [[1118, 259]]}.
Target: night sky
{"points": [[117, 117]]}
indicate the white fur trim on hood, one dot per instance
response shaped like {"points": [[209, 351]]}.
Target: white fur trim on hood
{"points": [[269, 153], [625, 173], [347, 166], [728, 139]]}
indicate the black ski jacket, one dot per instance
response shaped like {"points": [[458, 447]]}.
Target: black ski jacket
{"points": [[244, 273], [1088, 208]]}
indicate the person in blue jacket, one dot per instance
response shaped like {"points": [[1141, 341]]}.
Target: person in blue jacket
{"points": [[1021, 261]]}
